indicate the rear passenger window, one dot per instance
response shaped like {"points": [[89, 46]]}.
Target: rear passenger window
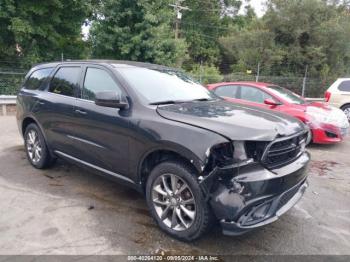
{"points": [[98, 80], [65, 81], [344, 86], [227, 91], [37, 78]]}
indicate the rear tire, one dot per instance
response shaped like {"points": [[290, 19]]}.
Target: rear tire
{"points": [[36, 149], [346, 110], [176, 201]]}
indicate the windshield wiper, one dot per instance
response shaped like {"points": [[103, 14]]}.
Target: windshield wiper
{"points": [[203, 99], [168, 102]]}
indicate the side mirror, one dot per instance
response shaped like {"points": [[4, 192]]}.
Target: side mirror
{"points": [[110, 99], [271, 102]]}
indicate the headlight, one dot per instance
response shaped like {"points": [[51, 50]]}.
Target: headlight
{"points": [[333, 116]]}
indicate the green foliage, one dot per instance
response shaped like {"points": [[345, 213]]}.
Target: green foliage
{"points": [[10, 83], [206, 74], [33, 31], [291, 35], [203, 25], [138, 30]]}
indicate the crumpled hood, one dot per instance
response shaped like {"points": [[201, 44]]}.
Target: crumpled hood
{"points": [[236, 122]]}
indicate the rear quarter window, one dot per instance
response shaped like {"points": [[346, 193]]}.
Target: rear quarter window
{"points": [[344, 86], [37, 78]]}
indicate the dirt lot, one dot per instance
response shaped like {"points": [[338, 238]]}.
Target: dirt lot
{"points": [[67, 210]]}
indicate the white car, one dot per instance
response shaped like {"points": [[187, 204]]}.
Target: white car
{"points": [[338, 95]]}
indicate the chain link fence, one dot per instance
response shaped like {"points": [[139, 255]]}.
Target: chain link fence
{"points": [[314, 87], [11, 80]]}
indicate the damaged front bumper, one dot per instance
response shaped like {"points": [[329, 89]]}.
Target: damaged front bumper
{"points": [[250, 196]]}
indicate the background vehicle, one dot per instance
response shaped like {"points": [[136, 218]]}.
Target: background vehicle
{"points": [[194, 155], [328, 124], [338, 95]]}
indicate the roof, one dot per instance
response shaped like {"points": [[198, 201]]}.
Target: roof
{"points": [[251, 83], [114, 63]]}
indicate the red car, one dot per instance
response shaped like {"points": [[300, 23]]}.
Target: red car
{"points": [[328, 124]]}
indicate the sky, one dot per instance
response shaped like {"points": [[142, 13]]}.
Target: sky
{"points": [[258, 5]]}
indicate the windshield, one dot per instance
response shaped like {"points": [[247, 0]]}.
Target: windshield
{"points": [[164, 85], [287, 95]]}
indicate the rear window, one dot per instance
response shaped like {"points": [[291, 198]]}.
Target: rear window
{"points": [[37, 78], [65, 81], [344, 86]]}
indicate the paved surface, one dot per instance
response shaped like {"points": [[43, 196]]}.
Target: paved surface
{"points": [[67, 210]]}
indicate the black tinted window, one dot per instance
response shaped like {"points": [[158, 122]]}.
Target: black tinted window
{"points": [[227, 91], [253, 94], [98, 80], [37, 78], [344, 86], [65, 81]]}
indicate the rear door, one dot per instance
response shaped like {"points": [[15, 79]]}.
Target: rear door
{"points": [[55, 107], [103, 132]]}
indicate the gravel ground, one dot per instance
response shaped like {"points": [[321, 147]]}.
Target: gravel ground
{"points": [[68, 210]]}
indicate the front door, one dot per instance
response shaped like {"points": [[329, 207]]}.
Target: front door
{"points": [[255, 97], [102, 132]]}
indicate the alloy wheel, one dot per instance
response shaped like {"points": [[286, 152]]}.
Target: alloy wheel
{"points": [[34, 147], [174, 202]]}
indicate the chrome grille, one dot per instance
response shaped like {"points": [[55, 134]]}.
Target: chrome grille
{"points": [[283, 151]]}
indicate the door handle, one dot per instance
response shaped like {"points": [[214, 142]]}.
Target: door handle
{"points": [[41, 102], [82, 112]]}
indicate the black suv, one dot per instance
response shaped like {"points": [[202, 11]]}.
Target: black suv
{"points": [[195, 157]]}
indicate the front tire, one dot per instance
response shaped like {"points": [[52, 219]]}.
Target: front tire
{"points": [[176, 201], [36, 148]]}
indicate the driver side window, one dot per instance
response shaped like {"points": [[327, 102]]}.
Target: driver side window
{"points": [[254, 94], [98, 80]]}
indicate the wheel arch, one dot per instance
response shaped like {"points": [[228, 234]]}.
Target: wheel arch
{"points": [[31, 120], [171, 151], [26, 122], [344, 105]]}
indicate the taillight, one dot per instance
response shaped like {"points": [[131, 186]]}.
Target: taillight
{"points": [[327, 96]]}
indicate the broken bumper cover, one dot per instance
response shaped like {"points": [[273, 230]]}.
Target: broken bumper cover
{"points": [[256, 196], [264, 213]]}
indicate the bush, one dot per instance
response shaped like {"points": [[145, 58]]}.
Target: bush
{"points": [[206, 74], [10, 83]]}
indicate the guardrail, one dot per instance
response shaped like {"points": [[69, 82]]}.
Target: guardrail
{"points": [[5, 101]]}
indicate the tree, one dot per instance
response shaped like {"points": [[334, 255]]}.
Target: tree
{"points": [[313, 33], [35, 31], [203, 24], [291, 35], [138, 30]]}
